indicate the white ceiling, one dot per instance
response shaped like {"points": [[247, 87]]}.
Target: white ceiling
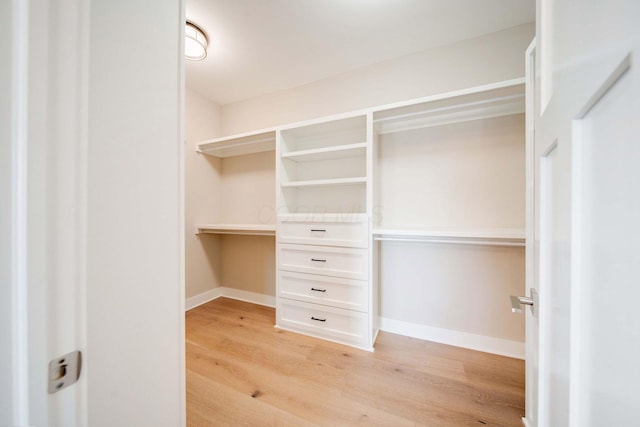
{"points": [[262, 46]]}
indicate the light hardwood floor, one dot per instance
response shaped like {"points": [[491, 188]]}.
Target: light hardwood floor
{"points": [[241, 371]]}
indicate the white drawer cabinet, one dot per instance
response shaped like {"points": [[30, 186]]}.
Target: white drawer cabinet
{"points": [[337, 324], [330, 233], [349, 263], [323, 236], [326, 290]]}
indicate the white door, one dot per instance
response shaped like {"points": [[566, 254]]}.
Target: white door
{"points": [[91, 216], [42, 208], [587, 203]]}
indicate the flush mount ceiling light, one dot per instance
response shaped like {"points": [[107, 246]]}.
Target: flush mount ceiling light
{"points": [[195, 42]]}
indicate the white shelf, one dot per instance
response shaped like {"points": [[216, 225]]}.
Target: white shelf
{"points": [[474, 236], [323, 217], [484, 103], [324, 182], [244, 229], [238, 145], [327, 153]]}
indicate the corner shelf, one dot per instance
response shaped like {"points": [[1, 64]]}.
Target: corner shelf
{"points": [[477, 236], [238, 145], [242, 229], [324, 182]]}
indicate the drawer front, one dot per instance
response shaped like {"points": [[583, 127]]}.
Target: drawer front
{"points": [[330, 261], [347, 234], [323, 322], [326, 290]]}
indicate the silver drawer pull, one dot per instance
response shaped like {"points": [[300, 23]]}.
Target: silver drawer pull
{"points": [[318, 260], [318, 290], [318, 230], [317, 319]]}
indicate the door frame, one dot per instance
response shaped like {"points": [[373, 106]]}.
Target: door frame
{"points": [[15, 379], [531, 327]]}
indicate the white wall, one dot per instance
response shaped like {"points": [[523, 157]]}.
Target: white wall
{"points": [[135, 316], [203, 202], [490, 58]]}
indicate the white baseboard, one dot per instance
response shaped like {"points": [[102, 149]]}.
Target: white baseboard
{"points": [[493, 345], [227, 292], [252, 297], [202, 298]]}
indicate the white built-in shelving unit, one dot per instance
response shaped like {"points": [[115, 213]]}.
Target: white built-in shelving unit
{"points": [[323, 248], [436, 170], [322, 166]]}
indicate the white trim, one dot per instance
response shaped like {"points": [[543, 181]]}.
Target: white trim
{"points": [[525, 422], [19, 238], [82, 113], [181, 215], [228, 292], [483, 343], [531, 322]]}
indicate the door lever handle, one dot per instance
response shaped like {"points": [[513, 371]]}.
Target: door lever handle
{"points": [[517, 302]]}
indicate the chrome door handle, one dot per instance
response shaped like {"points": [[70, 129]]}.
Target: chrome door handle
{"points": [[518, 302]]}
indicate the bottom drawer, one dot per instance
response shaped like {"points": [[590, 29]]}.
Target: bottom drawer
{"points": [[345, 326]]}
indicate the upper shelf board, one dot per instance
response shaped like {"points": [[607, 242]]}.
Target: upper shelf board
{"points": [[483, 103], [327, 153], [238, 145], [243, 229], [325, 182]]}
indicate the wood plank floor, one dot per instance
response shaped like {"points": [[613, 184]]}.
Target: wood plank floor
{"points": [[241, 371]]}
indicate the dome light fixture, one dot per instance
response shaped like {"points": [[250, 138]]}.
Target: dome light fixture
{"points": [[195, 42]]}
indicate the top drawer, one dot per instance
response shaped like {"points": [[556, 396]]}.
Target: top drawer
{"points": [[354, 234]]}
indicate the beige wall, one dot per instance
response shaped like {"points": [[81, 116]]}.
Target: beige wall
{"points": [[232, 190], [248, 191], [462, 288], [249, 263], [494, 57], [202, 196]]}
